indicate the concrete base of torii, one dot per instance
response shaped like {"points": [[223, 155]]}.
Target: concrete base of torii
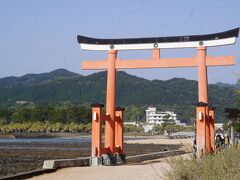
{"points": [[108, 160]]}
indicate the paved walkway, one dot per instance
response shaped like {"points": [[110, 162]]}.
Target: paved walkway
{"points": [[149, 170], [152, 171]]}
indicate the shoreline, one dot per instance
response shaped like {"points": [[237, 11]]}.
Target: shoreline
{"points": [[41, 135], [67, 135], [26, 156]]}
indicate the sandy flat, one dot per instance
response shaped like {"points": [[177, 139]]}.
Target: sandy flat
{"points": [[186, 143], [161, 141]]}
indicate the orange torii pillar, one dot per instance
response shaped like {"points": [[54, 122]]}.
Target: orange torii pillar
{"points": [[108, 156], [96, 147], [110, 102], [120, 156], [203, 98], [212, 128], [201, 112]]}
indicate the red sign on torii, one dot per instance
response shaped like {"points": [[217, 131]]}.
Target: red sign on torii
{"points": [[205, 115]]}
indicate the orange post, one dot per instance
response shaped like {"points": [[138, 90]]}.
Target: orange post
{"points": [[200, 128], [212, 128], [96, 130], [203, 94], [119, 130], [202, 75], [207, 131], [110, 102], [156, 54]]}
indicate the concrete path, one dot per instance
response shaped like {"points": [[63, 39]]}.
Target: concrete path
{"points": [[149, 170], [152, 171]]}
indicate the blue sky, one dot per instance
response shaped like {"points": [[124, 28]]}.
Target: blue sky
{"points": [[40, 35]]}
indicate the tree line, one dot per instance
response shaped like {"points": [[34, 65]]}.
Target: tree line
{"points": [[44, 127], [46, 114], [56, 118], [49, 118]]}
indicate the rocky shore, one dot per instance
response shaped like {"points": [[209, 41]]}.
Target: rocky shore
{"points": [[16, 157]]}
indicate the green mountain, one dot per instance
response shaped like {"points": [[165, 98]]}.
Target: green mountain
{"points": [[63, 86], [237, 85], [37, 79]]}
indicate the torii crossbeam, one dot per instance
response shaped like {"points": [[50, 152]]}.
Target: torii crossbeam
{"points": [[157, 62], [205, 115]]}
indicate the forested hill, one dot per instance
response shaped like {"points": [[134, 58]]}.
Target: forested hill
{"points": [[63, 86]]}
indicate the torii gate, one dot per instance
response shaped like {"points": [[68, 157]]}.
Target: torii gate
{"points": [[204, 114]]}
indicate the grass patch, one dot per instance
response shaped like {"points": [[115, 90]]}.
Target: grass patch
{"points": [[224, 165]]}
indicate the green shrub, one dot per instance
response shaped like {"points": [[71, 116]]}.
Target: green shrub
{"points": [[224, 165]]}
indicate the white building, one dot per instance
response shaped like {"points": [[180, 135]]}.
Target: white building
{"points": [[154, 117]]}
